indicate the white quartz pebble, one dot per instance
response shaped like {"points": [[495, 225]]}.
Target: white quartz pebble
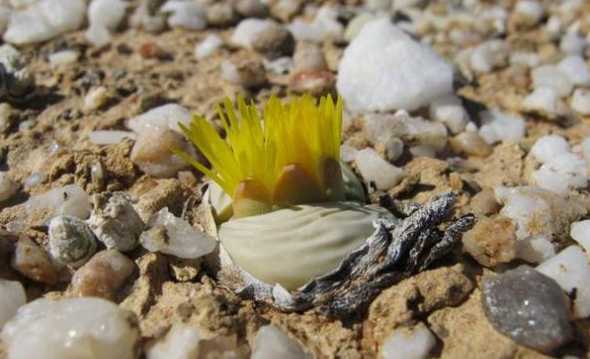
{"points": [[248, 29], [450, 111], [408, 344], [208, 46], [324, 26], [181, 342], [580, 232], [12, 297], [109, 137], [552, 76], [271, 343], [104, 17], [70, 200], [185, 14], [63, 57], [572, 43], [384, 69], [547, 147], [544, 100], [166, 116], [530, 9], [71, 329], [571, 270], [44, 20], [530, 210], [580, 101], [562, 173], [499, 126], [172, 235], [375, 169], [576, 69], [489, 55]]}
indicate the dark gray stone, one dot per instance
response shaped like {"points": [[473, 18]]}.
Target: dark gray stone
{"points": [[528, 307]]}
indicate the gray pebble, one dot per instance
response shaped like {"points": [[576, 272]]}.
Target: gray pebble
{"points": [[528, 307], [274, 42], [71, 241], [115, 222]]}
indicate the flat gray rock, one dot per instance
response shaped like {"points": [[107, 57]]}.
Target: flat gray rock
{"points": [[528, 307]]}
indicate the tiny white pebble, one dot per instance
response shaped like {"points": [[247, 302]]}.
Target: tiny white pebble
{"points": [[580, 101], [208, 46]]}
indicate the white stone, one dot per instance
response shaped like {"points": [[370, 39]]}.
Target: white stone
{"points": [[324, 26], [208, 46], [12, 297], [580, 101], [33, 180], [381, 128], [404, 344], [530, 210], [529, 59], [171, 235], [573, 44], [109, 137], [552, 76], [544, 100], [570, 269], [348, 153], [580, 232], [535, 249], [375, 169], [576, 69], [271, 343], [489, 55], [95, 99], [8, 187], [44, 20], [185, 14], [532, 10], [384, 69], [181, 342], [547, 147], [70, 200], [554, 27], [166, 116], [70, 329], [562, 173], [248, 29], [104, 17], [449, 110], [63, 57], [499, 126]]}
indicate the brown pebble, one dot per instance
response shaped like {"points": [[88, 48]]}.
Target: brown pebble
{"points": [[470, 143], [312, 82], [33, 262], [103, 275], [491, 241], [151, 50], [484, 203]]}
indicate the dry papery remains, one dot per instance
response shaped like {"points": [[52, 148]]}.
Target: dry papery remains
{"points": [[189, 179]]}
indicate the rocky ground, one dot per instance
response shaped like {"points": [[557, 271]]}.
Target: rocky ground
{"points": [[494, 106]]}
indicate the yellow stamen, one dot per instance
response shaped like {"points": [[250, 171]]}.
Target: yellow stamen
{"points": [[289, 152]]}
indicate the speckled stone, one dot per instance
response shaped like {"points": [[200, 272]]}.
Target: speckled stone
{"points": [[528, 307]]}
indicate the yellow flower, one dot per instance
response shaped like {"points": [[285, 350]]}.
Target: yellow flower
{"points": [[287, 155]]}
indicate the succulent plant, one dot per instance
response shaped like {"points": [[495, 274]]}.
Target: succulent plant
{"points": [[291, 219]]}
